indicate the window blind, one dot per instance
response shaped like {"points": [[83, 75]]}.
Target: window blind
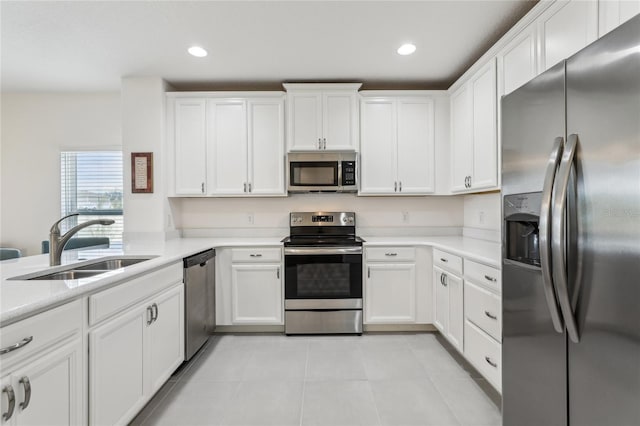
{"points": [[92, 185]]}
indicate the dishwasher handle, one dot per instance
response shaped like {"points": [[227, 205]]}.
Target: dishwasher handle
{"points": [[199, 259]]}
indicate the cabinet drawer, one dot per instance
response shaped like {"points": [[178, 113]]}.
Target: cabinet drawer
{"points": [[483, 274], [447, 261], [386, 254], [484, 353], [256, 255], [39, 331], [482, 308], [108, 302]]}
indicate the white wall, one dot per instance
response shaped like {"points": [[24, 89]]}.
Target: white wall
{"points": [[261, 216], [35, 128], [482, 215]]}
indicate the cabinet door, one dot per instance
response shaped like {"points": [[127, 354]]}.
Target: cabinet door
{"points": [[416, 150], [612, 13], [116, 369], [227, 138], [456, 311], [55, 381], [190, 146], [339, 127], [440, 301], [485, 140], [378, 147], [256, 294], [166, 337], [461, 138], [390, 293], [565, 28], [517, 62], [304, 121], [266, 146]]}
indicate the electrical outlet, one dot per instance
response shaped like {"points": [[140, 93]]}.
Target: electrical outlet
{"points": [[481, 218], [250, 218], [405, 217]]}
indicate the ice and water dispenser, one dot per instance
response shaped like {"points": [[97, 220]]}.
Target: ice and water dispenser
{"points": [[521, 219]]}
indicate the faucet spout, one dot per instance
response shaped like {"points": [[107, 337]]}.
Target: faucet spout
{"points": [[57, 241]]}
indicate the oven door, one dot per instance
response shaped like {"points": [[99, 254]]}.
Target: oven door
{"points": [[323, 273]]}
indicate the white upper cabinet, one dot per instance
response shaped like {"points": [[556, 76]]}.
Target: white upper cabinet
{"points": [[322, 116], [190, 146], [565, 28], [229, 146], [518, 62], [397, 145], [615, 12], [474, 141]]}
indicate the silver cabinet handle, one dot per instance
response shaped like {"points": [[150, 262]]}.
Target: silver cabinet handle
{"points": [[492, 279], [202, 187], [278, 273], [11, 397], [324, 143], [443, 279], [391, 254], [244, 189], [493, 317], [491, 363], [444, 260], [149, 315], [319, 143], [469, 181], [255, 255], [24, 381], [395, 186], [400, 186], [545, 234], [20, 344], [249, 186], [154, 310], [558, 237], [368, 272]]}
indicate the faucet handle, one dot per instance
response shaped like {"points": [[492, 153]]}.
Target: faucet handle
{"points": [[54, 227]]}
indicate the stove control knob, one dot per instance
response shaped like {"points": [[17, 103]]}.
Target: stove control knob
{"points": [[344, 219]]}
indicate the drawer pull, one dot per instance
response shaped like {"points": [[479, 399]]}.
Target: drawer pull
{"points": [[23, 342], [391, 254], [490, 278], [11, 397], [491, 363], [490, 315], [255, 255], [24, 381], [444, 260]]}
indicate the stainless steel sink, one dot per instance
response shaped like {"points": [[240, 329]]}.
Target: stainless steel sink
{"points": [[68, 275], [110, 264], [85, 269]]}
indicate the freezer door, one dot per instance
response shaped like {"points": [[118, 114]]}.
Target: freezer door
{"points": [[532, 118], [603, 109]]}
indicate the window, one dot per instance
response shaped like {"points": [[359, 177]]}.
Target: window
{"points": [[91, 185]]}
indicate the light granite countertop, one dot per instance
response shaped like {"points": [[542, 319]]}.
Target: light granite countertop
{"points": [[20, 299]]}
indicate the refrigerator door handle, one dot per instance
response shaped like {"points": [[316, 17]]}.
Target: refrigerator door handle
{"points": [[545, 234], [558, 235]]}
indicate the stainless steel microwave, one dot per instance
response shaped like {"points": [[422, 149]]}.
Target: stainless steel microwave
{"points": [[322, 172]]}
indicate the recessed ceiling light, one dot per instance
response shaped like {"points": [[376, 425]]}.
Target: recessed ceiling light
{"points": [[197, 51], [406, 49]]}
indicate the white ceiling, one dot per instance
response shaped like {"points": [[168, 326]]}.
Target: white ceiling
{"points": [[64, 46]]}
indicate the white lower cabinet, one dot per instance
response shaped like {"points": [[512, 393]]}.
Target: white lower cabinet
{"points": [[397, 286], [134, 351], [448, 307], [256, 294], [42, 376]]}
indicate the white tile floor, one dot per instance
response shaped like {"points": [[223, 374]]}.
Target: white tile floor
{"points": [[374, 379]]}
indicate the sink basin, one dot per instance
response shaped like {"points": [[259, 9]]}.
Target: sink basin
{"points": [[68, 275], [84, 269], [110, 264]]}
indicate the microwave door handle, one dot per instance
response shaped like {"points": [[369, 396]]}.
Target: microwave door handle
{"points": [[558, 235], [545, 234]]}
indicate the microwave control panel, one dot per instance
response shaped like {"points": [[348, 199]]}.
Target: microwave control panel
{"points": [[348, 173]]}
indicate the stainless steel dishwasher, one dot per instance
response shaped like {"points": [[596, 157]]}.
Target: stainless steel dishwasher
{"points": [[199, 299]]}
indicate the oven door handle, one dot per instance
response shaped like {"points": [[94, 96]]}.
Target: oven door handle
{"points": [[299, 251]]}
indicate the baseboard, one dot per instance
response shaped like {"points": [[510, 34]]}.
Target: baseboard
{"points": [[249, 329], [399, 327]]}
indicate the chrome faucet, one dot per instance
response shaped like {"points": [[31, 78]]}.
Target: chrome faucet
{"points": [[57, 242]]}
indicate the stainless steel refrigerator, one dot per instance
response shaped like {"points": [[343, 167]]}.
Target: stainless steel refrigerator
{"points": [[571, 239]]}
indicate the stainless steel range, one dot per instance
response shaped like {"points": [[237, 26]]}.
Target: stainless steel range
{"points": [[323, 274]]}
